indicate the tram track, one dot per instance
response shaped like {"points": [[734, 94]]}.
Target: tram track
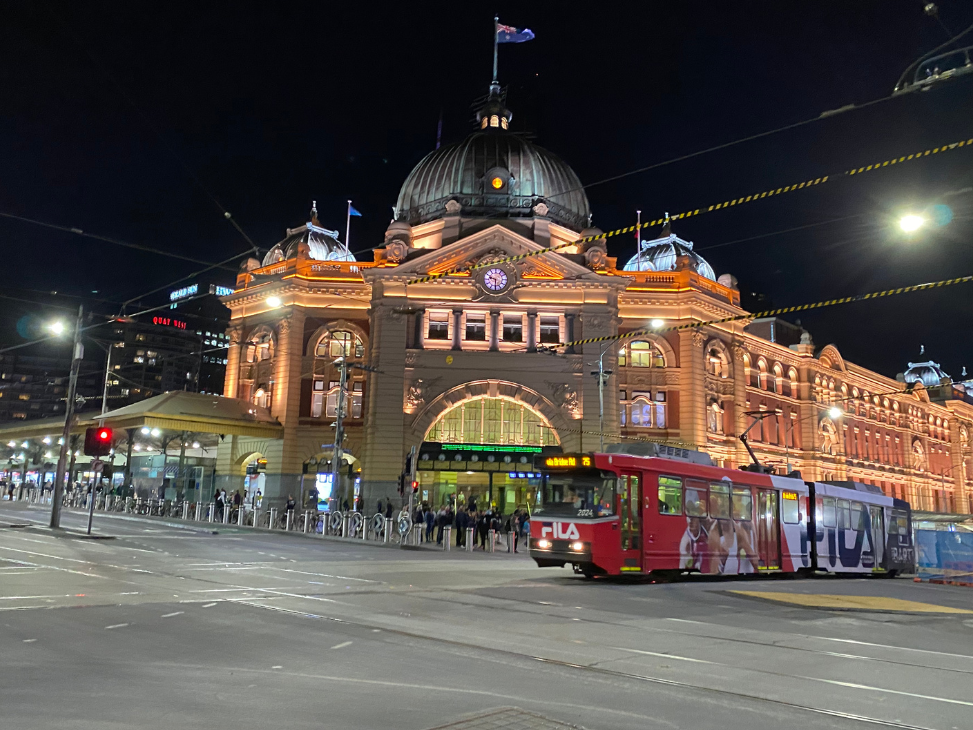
{"points": [[603, 671]]}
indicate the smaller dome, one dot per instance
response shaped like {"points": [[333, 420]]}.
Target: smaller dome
{"points": [[322, 244], [928, 373], [661, 254]]}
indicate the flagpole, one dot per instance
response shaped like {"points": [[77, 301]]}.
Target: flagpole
{"points": [[496, 21], [348, 227], [638, 240]]}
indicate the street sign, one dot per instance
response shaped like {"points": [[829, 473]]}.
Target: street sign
{"points": [[97, 466]]}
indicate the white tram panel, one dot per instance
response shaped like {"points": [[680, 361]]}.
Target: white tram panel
{"points": [[851, 527]]}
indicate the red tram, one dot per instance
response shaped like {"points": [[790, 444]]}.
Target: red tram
{"points": [[668, 510]]}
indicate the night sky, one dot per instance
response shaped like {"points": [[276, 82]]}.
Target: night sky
{"points": [[139, 121]]}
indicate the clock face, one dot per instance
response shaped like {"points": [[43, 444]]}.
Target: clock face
{"points": [[495, 279]]}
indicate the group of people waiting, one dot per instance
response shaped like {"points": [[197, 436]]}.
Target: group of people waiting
{"points": [[517, 525]]}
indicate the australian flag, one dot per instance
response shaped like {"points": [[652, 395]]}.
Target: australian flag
{"points": [[509, 34]]}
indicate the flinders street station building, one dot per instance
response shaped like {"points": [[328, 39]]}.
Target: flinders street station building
{"points": [[460, 367]]}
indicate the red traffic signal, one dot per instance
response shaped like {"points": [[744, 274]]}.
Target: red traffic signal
{"points": [[97, 441], [415, 487]]}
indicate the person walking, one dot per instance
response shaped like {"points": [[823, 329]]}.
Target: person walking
{"points": [[219, 502], [460, 527], [289, 511], [388, 509], [440, 525], [378, 509], [430, 520]]}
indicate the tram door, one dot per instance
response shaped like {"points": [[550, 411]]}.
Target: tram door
{"points": [[629, 511], [875, 519], [768, 529]]}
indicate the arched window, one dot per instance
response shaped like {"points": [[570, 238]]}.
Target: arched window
{"points": [[642, 354], [340, 343], [714, 418], [792, 377], [492, 421], [716, 363], [260, 347], [648, 412], [779, 379], [763, 381], [261, 397], [494, 120]]}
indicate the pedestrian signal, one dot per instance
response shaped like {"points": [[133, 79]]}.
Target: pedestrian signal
{"points": [[97, 441]]}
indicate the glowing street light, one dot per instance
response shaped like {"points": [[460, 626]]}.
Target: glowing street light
{"points": [[156, 432], [195, 444], [47, 440], [56, 328], [146, 430], [656, 324], [12, 444], [24, 445], [910, 223], [273, 302], [835, 413]]}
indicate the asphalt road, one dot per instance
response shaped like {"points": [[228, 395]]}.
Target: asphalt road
{"points": [[165, 626]]}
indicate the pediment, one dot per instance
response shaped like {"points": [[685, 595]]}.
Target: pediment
{"points": [[497, 243]]}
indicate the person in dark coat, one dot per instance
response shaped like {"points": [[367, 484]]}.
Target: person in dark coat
{"points": [[388, 510], [461, 521], [379, 510]]}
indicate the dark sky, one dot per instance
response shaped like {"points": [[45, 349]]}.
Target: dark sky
{"points": [[106, 107]]}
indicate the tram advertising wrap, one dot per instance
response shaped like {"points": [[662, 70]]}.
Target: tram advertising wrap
{"points": [[618, 513]]}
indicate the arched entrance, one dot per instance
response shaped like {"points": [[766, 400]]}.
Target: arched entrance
{"points": [[317, 481], [253, 468], [481, 451]]}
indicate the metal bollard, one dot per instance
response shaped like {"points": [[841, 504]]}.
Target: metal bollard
{"points": [[198, 514], [287, 520], [211, 509], [469, 539], [447, 536], [241, 515], [307, 520], [510, 542], [364, 529], [346, 525], [416, 534], [492, 537], [256, 517], [388, 529], [273, 517]]}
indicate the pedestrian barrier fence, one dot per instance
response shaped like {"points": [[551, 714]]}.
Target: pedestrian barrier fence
{"points": [[351, 525], [945, 556]]}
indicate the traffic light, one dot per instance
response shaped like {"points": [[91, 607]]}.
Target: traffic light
{"points": [[97, 441], [415, 487]]}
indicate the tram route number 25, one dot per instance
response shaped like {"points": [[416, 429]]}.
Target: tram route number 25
{"points": [[560, 530]]}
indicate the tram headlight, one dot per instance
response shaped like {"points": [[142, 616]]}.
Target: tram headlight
{"points": [[577, 546], [543, 544]]}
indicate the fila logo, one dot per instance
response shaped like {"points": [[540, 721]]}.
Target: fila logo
{"points": [[560, 530]]}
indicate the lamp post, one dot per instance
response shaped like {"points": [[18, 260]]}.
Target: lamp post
{"points": [[602, 376], [76, 356]]}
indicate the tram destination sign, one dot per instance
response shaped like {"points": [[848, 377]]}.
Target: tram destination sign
{"points": [[567, 461]]}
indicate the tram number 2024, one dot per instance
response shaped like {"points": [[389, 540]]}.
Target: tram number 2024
{"points": [[586, 513]]}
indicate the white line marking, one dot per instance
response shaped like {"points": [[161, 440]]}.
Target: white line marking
{"points": [[665, 656], [116, 626], [342, 645], [277, 666], [29, 641], [887, 646], [174, 613], [853, 685], [207, 605]]}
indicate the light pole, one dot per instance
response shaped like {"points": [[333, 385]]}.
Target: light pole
{"points": [[76, 356], [602, 376], [339, 430]]}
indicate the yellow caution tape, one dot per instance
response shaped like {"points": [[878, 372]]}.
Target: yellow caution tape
{"points": [[773, 312], [708, 209]]}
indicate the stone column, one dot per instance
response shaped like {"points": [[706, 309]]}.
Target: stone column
{"points": [[955, 467], [740, 402], [417, 337], [531, 331], [494, 330], [457, 332], [692, 397], [231, 380], [284, 467], [569, 318], [384, 449]]}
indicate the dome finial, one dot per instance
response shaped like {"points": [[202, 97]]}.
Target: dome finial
{"points": [[666, 226], [963, 374], [314, 212], [922, 349]]}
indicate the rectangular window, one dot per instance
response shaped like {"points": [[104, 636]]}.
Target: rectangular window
{"points": [[357, 391], [438, 326], [899, 523], [857, 516], [476, 327], [670, 496], [513, 328], [844, 514], [550, 330], [790, 508], [719, 501], [317, 398], [660, 409], [742, 504], [695, 500], [827, 514]]}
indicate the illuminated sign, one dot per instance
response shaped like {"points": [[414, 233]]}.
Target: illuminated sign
{"points": [[488, 447], [223, 291], [169, 322], [186, 291], [789, 495], [567, 461]]}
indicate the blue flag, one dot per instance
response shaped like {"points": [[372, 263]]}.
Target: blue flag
{"points": [[352, 210], [509, 34]]}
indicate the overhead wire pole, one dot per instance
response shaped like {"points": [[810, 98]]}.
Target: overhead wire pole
{"points": [[77, 355]]}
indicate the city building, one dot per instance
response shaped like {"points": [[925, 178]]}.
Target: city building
{"points": [[462, 367], [34, 381], [199, 304]]}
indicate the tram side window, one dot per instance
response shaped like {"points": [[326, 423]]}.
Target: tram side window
{"points": [[899, 524], [844, 514], [790, 509], [695, 500], [670, 496], [742, 504], [857, 516], [719, 501], [826, 511]]}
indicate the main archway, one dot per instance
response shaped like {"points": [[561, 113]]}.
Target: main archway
{"points": [[500, 421]]}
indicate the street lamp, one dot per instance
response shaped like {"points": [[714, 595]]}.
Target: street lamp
{"points": [[146, 430], [835, 413], [911, 222], [56, 327], [273, 302], [656, 324]]}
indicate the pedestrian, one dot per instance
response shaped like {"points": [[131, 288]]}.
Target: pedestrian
{"points": [[460, 527], [312, 498], [440, 524], [430, 519], [346, 506], [483, 528], [378, 509], [388, 509], [219, 503]]}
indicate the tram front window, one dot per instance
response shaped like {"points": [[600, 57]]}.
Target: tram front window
{"points": [[578, 495]]}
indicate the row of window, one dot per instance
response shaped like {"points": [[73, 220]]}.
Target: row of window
{"points": [[326, 401], [717, 500], [511, 327]]}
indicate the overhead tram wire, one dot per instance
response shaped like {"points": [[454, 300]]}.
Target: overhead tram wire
{"points": [[106, 239], [768, 313], [731, 203]]}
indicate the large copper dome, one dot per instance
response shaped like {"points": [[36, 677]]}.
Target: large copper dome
{"points": [[493, 173]]}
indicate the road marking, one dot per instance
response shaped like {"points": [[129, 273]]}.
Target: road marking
{"points": [[174, 613], [277, 666], [116, 626], [342, 645], [665, 656], [25, 598], [888, 646], [29, 641], [207, 605], [874, 603], [853, 685]]}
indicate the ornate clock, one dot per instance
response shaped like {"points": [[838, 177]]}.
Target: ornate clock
{"points": [[495, 279]]}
